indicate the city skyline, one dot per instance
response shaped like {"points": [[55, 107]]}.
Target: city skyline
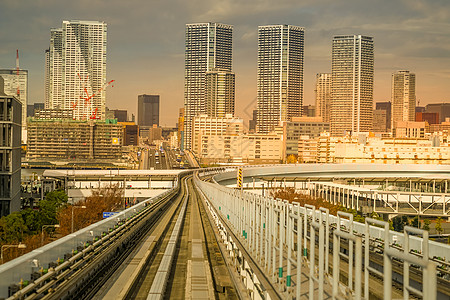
{"points": [[155, 64]]}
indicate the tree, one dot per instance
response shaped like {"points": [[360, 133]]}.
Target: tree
{"points": [[291, 159], [397, 223], [49, 207], [438, 225], [426, 224], [415, 222]]}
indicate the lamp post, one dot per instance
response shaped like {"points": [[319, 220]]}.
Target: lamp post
{"points": [[42, 231], [4, 247], [73, 206]]}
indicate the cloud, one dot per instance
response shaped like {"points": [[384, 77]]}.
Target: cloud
{"points": [[146, 41]]}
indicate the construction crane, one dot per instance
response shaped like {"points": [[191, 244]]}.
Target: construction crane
{"points": [[87, 97], [17, 73]]}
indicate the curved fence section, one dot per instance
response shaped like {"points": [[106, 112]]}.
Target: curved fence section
{"points": [[291, 243]]}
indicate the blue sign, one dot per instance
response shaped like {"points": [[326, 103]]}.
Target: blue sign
{"points": [[107, 214]]}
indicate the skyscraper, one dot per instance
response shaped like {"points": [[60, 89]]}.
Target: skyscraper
{"points": [[148, 110], [352, 84], [220, 93], [403, 97], [280, 74], [208, 48], [323, 96], [76, 69]]}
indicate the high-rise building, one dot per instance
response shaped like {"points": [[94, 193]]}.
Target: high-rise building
{"points": [[443, 109], [11, 82], [403, 97], [208, 47], [352, 84], [10, 162], [280, 75], [121, 115], [76, 69], [386, 106], [323, 96], [148, 110], [379, 120], [252, 122], [219, 93]]}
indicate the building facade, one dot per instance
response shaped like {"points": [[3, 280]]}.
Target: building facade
{"points": [[208, 47], [410, 129], [130, 133], [74, 140], [220, 93], [386, 106], [403, 97], [443, 109], [148, 110], [17, 86], [379, 120], [393, 151], [352, 72], [301, 126], [76, 69], [10, 161], [323, 96], [280, 75], [206, 125], [249, 148]]}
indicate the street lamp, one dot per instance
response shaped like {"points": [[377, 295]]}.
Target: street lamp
{"points": [[4, 247], [73, 206], [42, 231]]}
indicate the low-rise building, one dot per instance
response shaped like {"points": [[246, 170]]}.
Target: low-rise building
{"points": [[410, 129], [301, 126], [249, 148], [394, 151], [130, 134], [307, 149], [73, 140], [205, 125]]}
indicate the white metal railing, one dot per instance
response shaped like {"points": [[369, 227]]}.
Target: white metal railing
{"points": [[271, 231]]}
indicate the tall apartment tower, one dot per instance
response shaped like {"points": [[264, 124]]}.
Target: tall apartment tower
{"points": [[208, 48], [148, 110], [352, 84], [220, 93], [12, 81], [76, 69], [403, 97], [323, 96], [280, 75]]}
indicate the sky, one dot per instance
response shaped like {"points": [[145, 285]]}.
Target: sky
{"points": [[145, 50]]}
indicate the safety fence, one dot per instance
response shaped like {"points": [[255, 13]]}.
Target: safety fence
{"points": [[287, 240]]}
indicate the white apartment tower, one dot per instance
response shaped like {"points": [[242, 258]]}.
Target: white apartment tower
{"points": [[323, 96], [403, 97], [208, 48], [280, 75], [352, 84], [76, 69]]}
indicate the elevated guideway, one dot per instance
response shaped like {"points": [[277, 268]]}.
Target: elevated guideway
{"points": [[421, 190], [201, 239]]}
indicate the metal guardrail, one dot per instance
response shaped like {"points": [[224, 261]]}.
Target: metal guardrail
{"points": [[19, 271], [266, 225]]}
